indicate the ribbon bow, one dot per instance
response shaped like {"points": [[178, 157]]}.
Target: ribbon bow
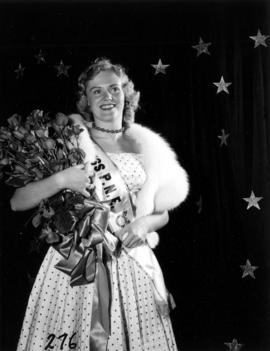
{"points": [[81, 247]]}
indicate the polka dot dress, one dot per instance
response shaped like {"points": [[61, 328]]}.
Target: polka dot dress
{"points": [[58, 316]]}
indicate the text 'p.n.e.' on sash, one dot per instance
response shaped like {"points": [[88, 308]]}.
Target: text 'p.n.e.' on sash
{"points": [[112, 189]]}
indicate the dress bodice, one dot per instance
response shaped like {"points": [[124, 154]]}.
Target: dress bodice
{"points": [[131, 169]]}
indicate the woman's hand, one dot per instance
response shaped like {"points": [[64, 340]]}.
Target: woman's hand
{"points": [[76, 178], [133, 234]]}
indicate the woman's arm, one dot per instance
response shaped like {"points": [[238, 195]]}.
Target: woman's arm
{"points": [[155, 221], [134, 234], [74, 178]]}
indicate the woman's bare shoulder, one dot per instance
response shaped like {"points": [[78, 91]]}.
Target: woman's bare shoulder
{"points": [[129, 144]]}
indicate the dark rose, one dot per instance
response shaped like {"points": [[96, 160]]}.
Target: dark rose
{"points": [[5, 134], [76, 129], [38, 173], [67, 132], [35, 119], [73, 157], [57, 168], [30, 138], [76, 155], [37, 115], [18, 134], [61, 120], [14, 121], [15, 146], [49, 144], [22, 130], [41, 133]]}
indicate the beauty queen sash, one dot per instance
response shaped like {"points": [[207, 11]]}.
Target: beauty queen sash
{"points": [[111, 189]]}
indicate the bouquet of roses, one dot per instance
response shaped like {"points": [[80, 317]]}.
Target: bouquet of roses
{"points": [[36, 148]]}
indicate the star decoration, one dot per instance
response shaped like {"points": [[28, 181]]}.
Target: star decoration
{"points": [[233, 346], [223, 137], [259, 39], [248, 269], [199, 204], [19, 71], [62, 69], [252, 200], [160, 68], [40, 57], [202, 48], [222, 86]]}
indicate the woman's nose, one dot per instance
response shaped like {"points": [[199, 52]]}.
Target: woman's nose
{"points": [[107, 95]]}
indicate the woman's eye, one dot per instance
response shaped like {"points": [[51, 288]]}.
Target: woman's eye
{"points": [[115, 89], [96, 91]]}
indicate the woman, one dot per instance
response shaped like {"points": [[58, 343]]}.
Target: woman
{"points": [[136, 173]]}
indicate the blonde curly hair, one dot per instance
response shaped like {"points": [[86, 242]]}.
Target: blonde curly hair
{"points": [[131, 95]]}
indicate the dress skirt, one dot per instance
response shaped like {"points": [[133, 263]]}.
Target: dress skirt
{"points": [[58, 316]]}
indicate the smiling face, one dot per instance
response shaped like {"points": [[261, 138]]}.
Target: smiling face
{"points": [[106, 97]]}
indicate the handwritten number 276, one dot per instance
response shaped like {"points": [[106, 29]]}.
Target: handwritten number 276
{"points": [[64, 336]]}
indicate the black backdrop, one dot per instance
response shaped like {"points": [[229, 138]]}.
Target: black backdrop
{"points": [[200, 250]]}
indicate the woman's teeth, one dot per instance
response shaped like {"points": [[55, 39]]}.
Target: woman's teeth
{"points": [[107, 107]]}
